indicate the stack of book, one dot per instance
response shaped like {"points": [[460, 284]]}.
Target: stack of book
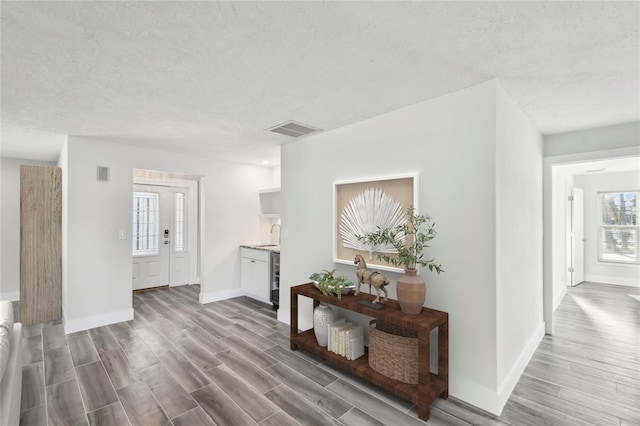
{"points": [[345, 339]]}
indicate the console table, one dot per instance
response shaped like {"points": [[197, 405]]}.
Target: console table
{"points": [[430, 386]]}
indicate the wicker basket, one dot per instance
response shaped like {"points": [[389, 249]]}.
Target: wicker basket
{"points": [[393, 351]]}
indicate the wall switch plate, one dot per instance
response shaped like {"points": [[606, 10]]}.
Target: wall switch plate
{"points": [[122, 235]]}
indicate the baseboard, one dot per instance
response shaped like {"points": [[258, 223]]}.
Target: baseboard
{"points": [[509, 383], [71, 326], [627, 282], [474, 394], [559, 297], [10, 295], [214, 296]]}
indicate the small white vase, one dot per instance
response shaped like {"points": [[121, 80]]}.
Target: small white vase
{"points": [[323, 315]]}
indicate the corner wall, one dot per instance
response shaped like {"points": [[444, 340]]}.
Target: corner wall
{"points": [[450, 142], [99, 265], [519, 243]]}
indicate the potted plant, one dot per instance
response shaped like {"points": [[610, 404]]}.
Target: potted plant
{"points": [[409, 239], [329, 284]]}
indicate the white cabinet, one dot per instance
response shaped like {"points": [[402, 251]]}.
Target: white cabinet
{"points": [[254, 274], [270, 202]]}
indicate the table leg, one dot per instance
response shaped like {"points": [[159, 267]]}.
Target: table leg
{"points": [[424, 378], [294, 318], [443, 356]]}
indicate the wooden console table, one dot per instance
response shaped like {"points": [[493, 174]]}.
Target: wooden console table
{"points": [[430, 386]]}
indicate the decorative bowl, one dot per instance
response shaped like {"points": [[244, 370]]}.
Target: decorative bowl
{"points": [[346, 290]]}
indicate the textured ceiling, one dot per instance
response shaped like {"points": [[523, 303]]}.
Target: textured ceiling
{"points": [[208, 77]]}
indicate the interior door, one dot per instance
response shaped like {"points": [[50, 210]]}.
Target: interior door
{"points": [[40, 244], [577, 236]]}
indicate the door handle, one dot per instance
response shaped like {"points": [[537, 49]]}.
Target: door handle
{"points": [[166, 242]]}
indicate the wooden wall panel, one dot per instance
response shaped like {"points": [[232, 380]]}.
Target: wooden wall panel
{"points": [[40, 244]]}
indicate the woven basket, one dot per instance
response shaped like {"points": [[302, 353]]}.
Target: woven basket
{"points": [[393, 351]]}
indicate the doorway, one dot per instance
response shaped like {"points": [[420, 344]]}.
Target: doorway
{"points": [[160, 250], [561, 174], [165, 230]]}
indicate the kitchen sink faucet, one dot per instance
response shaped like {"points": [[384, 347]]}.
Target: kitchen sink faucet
{"points": [[279, 231]]}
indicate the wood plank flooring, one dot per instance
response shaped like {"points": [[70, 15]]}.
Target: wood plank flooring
{"points": [[229, 363]]}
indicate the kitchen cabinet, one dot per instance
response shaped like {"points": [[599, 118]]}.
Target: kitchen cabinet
{"points": [[255, 274], [270, 202]]}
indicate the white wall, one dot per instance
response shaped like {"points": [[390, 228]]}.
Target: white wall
{"points": [[267, 233], [98, 279], [590, 140], [518, 243], [451, 142], [10, 225], [608, 273], [275, 176]]}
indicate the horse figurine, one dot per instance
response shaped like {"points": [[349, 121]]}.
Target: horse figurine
{"points": [[367, 276]]}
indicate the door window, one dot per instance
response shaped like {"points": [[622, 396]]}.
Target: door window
{"points": [[146, 206], [179, 222]]}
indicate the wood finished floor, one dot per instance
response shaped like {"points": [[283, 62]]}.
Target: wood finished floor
{"points": [[229, 363]]}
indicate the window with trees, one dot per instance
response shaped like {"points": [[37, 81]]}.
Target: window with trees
{"points": [[619, 230]]}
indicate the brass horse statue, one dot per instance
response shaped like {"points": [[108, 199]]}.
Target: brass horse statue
{"points": [[373, 278]]}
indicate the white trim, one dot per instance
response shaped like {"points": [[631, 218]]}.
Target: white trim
{"points": [[617, 264], [509, 383], [10, 295], [93, 321], [602, 279], [200, 275], [473, 393], [559, 298], [214, 296], [268, 190]]}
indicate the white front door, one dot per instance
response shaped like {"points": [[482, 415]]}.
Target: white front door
{"points": [[159, 249], [577, 236]]}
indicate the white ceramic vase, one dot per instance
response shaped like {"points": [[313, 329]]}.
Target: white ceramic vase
{"points": [[323, 315]]}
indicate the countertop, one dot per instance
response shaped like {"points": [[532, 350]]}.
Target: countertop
{"points": [[263, 247]]}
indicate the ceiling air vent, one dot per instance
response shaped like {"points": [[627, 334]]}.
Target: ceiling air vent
{"points": [[294, 129], [103, 173]]}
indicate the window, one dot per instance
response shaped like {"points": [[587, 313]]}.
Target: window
{"points": [[179, 231], [619, 230], [145, 223]]}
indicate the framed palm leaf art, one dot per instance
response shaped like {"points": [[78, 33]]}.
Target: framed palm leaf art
{"points": [[363, 205]]}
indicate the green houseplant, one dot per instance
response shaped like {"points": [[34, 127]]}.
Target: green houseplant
{"points": [[409, 240], [330, 284], [410, 253]]}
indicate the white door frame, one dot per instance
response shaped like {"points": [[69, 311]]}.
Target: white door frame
{"points": [[576, 231], [195, 185], [548, 254], [154, 269]]}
